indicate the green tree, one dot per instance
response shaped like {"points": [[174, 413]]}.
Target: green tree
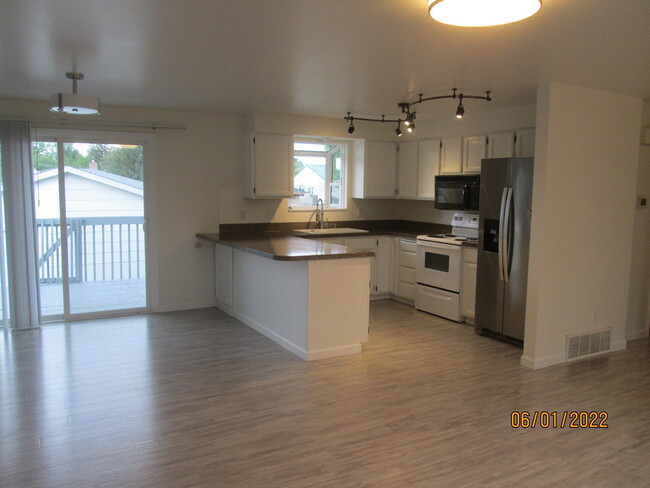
{"points": [[44, 156], [98, 152], [72, 157], [124, 161]]}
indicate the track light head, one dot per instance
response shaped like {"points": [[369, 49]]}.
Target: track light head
{"points": [[351, 126], [398, 131], [460, 111]]}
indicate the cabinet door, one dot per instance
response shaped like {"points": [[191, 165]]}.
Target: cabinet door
{"points": [[407, 170], [501, 144], [428, 168], [380, 171], [406, 270], [366, 244], [525, 145], [468, 286], [474, 150], [272, 166], [451, 155], [383, 254]]}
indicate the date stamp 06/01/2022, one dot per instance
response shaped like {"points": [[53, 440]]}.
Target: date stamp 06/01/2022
{"points": [[546, 419]]}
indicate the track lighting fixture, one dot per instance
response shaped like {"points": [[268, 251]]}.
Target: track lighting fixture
{"points": [[351, 127], [73, 103], [409, 119], [460, 111]]}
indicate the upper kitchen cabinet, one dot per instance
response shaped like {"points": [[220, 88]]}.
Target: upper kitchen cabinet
{"points": [[271, 166], [375, 169], [474, 150], [407, 170], [501, 144], [525, 143], [512, 143], [428, 167], [451, 155]]}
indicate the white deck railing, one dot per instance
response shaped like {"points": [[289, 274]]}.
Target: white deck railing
{"points": [[99, 249]]}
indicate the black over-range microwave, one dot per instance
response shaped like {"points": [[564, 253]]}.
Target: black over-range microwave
{"points": [[457, 192]]}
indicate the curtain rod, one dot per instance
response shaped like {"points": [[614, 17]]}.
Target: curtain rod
{"points": [[97, 124]]}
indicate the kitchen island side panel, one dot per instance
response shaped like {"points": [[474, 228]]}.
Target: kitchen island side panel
{"points": [[339, 306], [271, 297]]}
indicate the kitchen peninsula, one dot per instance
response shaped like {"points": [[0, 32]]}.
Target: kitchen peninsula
{"points": [[309, 296]]}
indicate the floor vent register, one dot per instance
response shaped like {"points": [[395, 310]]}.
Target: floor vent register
{"points": [[589, 344]]}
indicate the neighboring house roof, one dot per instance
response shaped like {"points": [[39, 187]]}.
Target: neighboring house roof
{"points": [[319, 169], [116, 181]]}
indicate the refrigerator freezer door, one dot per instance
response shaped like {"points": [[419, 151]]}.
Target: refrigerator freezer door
{"points": [[489, 285], [514, 305]]}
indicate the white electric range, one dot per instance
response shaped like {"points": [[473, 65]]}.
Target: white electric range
{"points": [[438, 267]]}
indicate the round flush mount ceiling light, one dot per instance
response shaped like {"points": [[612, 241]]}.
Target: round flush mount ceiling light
{"points": [[482, 13], [73, 103]]}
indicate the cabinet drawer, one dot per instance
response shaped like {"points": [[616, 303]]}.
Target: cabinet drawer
{"points": [[406, 291], [470, 255], [407, 259], [406, 275], [408, 246]]}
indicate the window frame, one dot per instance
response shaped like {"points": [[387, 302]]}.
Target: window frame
{"points": [[339, 146]]}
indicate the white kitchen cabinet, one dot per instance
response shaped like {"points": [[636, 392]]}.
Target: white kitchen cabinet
{"points": [[468, 283], [474, 150], [501, 144], [375, 170], [404, 261], [525, 143], [271, 166], [428, 168], [333, 240], [379, 265], [223, 281], [407, 170], [451, 155]]}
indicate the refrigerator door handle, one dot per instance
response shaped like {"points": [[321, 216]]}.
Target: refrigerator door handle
{"points": [[501, 242], [506, 236]]}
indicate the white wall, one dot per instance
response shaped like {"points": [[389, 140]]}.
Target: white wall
{"points": [[586, 160], [638, 313]]}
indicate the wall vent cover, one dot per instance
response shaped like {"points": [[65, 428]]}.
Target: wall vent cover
{"points": [[588, 344]]}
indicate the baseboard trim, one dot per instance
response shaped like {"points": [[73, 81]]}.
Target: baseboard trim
{"points": [[185, 306], [333, 352], [278, 339], [546, 362]]}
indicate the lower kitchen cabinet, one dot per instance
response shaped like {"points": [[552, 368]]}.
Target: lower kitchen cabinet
{"points": [[468, 283], [404, 260], [379, 265]]}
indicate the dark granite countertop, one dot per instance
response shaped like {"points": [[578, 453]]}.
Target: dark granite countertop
{"points": [[287, 248], [281, 242]]}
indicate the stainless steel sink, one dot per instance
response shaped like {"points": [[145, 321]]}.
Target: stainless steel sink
{"points": [[331, 230]]}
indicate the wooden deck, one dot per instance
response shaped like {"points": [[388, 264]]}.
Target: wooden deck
{"points": [[196, 399], [94, 296]]}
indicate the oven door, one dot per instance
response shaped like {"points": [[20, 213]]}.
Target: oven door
{"points": [[438, 265]]}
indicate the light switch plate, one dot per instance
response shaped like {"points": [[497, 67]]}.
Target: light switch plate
{"points": [[641, 201]]}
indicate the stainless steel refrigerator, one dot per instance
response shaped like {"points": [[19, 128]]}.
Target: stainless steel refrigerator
{"points": [[504, 237]]}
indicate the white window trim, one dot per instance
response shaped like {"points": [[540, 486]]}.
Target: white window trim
{"points": [[343, 145]]}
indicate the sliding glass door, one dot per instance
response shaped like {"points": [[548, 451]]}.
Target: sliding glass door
{"points": [[90, 226]]}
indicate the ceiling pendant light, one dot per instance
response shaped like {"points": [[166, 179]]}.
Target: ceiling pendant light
{"points": [[73, 103], [482, 13]]}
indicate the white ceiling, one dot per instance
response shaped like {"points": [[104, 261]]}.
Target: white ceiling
{"points": [[318, 57]]}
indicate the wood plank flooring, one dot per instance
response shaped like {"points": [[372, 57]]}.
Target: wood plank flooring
{"points": [[196, 399]]}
